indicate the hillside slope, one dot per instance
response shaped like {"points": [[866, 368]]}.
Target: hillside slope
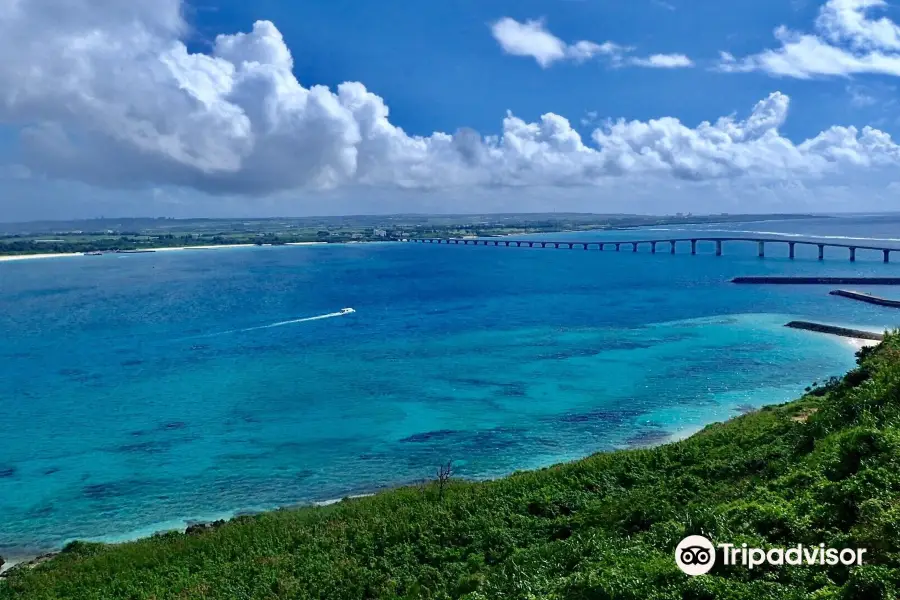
{"points": [[824, 468]]}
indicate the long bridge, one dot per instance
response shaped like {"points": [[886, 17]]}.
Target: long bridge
{"points": [[653, 243]]}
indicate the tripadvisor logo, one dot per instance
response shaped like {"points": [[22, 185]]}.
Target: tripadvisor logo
{"points": [[696, 555]]}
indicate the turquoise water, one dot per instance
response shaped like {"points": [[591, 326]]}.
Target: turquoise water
{"points": [[140, 392]]}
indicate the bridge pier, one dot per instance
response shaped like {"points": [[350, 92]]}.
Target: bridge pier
{"points": [[654, 244]]}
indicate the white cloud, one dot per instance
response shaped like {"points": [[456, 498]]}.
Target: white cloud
{"points": [[532, 39], [107, 94], [529, 39], [847, 41], [664, 61]]}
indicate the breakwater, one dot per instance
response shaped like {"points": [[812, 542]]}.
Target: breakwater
{"points": [[833, 330], [866, 298], [820, 280]]}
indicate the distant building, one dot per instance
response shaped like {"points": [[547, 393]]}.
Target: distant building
{"points": [[380, 233]]}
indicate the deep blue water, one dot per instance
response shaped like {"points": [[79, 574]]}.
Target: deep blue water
{"points": [[138, 392]]}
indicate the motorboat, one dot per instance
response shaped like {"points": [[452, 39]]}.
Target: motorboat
{"points": [[347, 311]]}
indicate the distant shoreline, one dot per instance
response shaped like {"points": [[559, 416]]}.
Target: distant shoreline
{"points": [[345, 237], [16, 257]]}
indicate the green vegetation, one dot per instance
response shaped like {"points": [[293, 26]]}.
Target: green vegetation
{"points": [[103, 235], [825, 468]]}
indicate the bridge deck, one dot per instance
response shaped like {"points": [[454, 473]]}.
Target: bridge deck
{"points": [[654, 242], [802, 242]]}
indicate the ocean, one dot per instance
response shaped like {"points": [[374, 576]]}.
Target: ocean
{"points": [[142, 392]]}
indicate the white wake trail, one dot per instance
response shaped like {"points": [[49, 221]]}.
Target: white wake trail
{"points": [[341, 313], [292, 321]]}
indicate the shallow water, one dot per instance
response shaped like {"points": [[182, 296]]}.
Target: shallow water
{"points": [[144, 390]]}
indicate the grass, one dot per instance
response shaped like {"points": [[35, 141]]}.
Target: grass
{"points": [[824, 468]]}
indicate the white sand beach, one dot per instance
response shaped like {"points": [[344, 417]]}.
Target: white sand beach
{"points": [[859, 343], [18, 257], [29, 256]]}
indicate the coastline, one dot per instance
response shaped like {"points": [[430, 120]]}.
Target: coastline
{"points": [[728, 473], [18, 257], [728, 411], [181, 525]]}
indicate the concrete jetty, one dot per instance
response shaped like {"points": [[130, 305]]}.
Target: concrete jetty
{"points": [[833, 330], [863, 297], [820, 280]]}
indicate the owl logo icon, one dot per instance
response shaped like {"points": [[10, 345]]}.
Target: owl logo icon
{"points": [[695, 555]]}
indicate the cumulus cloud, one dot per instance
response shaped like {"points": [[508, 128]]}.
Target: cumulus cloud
{"points": [[847, 40], [106, 93], [532, 39], [664, 61]]}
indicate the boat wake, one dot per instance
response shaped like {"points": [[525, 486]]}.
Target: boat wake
{"points": [[340, 313]]}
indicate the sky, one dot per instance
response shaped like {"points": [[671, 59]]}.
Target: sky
{"points": [[275, 108]]}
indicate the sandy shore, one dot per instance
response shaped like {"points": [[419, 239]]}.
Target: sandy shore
{"points": [[208, 247], [27, 256], [858, 343]]}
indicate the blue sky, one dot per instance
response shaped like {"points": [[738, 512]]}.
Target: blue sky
{"points": [[438, 68], [162, 107]]}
